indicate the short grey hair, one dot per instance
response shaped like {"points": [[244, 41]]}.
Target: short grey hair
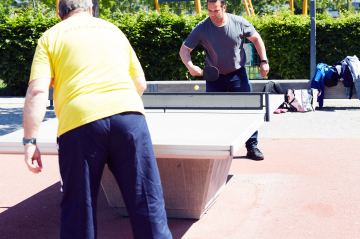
{"points": [[66, 6]]}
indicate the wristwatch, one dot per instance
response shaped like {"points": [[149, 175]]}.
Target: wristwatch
{"points": [[29, 141], [267, 61]]}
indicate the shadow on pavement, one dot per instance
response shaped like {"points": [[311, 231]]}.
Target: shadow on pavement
{"points": [[229, 178], [11, 119], [35, 217], [240, 157], [38, 217], [337, 108]]}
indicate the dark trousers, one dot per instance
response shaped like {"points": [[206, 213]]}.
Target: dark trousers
{"points": [[123, 142], [237, 81]]}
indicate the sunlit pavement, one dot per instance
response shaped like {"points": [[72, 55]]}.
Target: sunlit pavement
{"points": [[307, 187]]}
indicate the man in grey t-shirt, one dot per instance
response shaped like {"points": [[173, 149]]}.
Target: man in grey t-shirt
{"points": [[222, 35]]}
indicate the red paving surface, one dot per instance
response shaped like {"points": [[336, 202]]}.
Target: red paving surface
{"points": [[305, 188]]}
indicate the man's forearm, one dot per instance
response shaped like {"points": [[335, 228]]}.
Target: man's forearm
{"points": [[185, 56], [260, 47], [186, 59], [34, 108]]}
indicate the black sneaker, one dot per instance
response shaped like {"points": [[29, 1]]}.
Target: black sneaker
{"points": [[255, 154]]}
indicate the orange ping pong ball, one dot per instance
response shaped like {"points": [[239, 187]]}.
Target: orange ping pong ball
{"points": [[196, 87]]}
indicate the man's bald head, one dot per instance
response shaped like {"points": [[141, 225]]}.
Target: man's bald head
{"points": [[66, 6]]}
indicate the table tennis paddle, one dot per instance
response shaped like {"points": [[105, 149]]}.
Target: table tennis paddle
{"points": [[210, 73]]}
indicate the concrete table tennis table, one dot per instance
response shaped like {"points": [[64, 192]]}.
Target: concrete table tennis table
{"points": [[193, 149]]}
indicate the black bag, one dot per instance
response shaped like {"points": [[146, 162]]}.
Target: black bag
{"points": [[273, 88], [331, 78]]}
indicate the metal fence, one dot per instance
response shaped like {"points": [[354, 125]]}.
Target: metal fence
{"points": [[254, 70]]}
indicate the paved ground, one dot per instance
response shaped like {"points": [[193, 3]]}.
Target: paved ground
{"points": [[11, 114], [307, 187], [330, 122]]}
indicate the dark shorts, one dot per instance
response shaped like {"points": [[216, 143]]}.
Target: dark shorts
{"points": [[123, 142], [237, 81]]}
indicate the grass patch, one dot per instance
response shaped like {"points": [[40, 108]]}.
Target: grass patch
{"points": [[4, 90]]}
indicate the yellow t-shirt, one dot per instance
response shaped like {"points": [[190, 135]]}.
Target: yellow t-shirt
{"points": [[92, 63]]}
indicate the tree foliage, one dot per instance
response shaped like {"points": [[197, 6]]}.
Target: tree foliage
{"points": [[322, 5], [19, 35], [49, 3], [287, 40], [156, 39]]}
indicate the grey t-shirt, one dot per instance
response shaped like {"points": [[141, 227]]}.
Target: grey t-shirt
{"points": [[223, 45]]}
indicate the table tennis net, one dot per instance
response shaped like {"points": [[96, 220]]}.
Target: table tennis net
{"points": [[225, 101]]}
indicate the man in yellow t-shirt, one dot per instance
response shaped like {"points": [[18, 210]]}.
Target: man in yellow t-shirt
{"points": [[97, 82]]}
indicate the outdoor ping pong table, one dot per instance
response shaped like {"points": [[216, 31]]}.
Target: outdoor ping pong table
{"points": [[194, 146]]}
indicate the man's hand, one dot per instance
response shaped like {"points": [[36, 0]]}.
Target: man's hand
{"points": [[33, 158], [195, 70], [264, 69]]}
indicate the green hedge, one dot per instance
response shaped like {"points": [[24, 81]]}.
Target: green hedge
{"points": [[338, 38], [156, 38], [19, 36], [287, 41]]}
